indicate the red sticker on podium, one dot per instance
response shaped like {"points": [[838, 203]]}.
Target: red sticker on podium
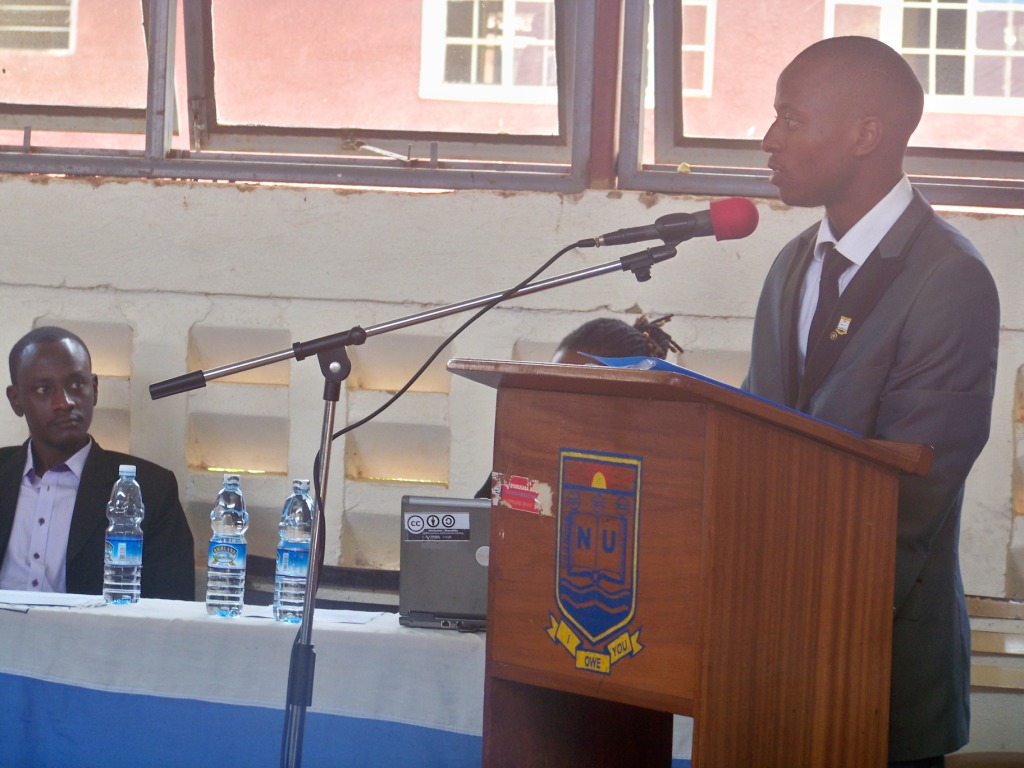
{"points": [[520, 493]]}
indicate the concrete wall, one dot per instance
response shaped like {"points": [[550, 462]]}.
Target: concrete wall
{"points": [[163, 278]]}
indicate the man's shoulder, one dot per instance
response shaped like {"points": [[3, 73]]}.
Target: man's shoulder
{"points": [[946, 260], [928, 231], [8, 452], [942, 236]]}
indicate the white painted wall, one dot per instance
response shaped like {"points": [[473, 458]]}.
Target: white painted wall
{"points": [[296, 263]]}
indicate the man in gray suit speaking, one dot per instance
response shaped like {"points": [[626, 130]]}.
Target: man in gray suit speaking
{"points": [[883, 319]]}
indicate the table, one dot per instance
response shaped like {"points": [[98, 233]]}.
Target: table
{"points": [[160, 683]]}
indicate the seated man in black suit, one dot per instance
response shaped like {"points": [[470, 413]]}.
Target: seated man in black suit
{"points": [[54, 488]]}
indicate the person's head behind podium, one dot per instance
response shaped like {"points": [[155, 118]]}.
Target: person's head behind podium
{"points": [[611, 337], [54, 389]]}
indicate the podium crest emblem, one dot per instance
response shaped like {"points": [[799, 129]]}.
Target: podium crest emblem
{"points": [[596, 563]]}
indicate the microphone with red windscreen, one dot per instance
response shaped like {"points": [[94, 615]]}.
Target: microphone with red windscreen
{"points": [[727, 219]]}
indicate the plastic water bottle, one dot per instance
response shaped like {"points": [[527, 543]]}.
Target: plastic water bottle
{"points": [[293, 554], [122, 561], [225, 572]]}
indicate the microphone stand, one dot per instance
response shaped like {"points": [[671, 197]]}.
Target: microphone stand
{"points": [[335, 367]]}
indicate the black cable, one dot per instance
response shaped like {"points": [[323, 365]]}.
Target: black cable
{"points": [[412, 380]]}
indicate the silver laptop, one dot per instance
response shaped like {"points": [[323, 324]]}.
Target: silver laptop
{"points": [[444, 556]]}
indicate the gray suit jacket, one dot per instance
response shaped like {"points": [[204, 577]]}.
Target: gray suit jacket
{"points": [[917, 363], [168, 560]]}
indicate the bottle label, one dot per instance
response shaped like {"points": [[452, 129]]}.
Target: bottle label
{"points": [[293, 561], [226, 555], [123, 550]]}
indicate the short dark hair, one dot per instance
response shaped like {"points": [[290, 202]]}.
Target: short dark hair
{"points": [[40, 335], [611, 337]]}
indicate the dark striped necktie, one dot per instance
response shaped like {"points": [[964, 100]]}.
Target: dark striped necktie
{"points": [[833, 266]]}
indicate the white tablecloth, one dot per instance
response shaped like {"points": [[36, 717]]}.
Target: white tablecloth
{"points": [[160, 683], [81, 675]]}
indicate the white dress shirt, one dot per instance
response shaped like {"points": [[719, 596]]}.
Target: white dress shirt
{"points": [[36, 556]]}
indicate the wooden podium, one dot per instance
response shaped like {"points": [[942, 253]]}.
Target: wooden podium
{"points": [[667, 544]]}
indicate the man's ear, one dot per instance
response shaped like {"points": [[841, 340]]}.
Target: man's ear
{"points": [[869, 135], [12, 398], [95, 389]]}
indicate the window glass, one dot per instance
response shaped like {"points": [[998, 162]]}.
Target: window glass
{"points": [[450, 93], [81, 63], [707, 98], [90, 54], [389, 65], [968, 55]]}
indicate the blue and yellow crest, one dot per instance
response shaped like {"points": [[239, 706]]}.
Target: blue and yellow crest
{"points": [[596, 563]]}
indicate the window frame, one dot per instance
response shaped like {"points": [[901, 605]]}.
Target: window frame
{"points": [[405, 158], [704, 166], [308, 155], [982, 178], [598, 80]]}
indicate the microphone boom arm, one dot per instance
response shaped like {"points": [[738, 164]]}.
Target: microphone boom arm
{"points": [[638, 263]]}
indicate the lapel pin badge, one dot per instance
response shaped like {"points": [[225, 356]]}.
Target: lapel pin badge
{"points": [[842, 327]]}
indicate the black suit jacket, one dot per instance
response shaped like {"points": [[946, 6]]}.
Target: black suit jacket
{"points": [[917, 364], [168, 560]]}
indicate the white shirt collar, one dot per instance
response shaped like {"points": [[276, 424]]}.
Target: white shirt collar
{"points": [[864, 236]]}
